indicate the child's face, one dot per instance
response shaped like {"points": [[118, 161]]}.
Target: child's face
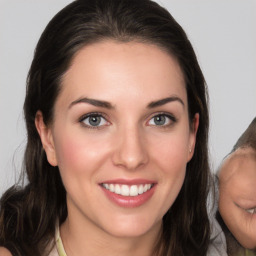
{"points": [[237, 203]]}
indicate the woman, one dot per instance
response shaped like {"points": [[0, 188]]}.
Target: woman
{"points": [[117, 120], [237, 202]]}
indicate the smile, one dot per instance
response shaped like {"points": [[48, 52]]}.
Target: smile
{"points": [[128, 190], [129, 193]]}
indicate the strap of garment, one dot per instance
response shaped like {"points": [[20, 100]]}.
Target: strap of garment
{"points": [[59, 244]]}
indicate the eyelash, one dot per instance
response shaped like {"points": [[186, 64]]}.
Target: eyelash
{"points": [[82, 119], [248, 210]]}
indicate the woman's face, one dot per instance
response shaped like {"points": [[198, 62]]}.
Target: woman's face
{"points": [[121, 136], [237, 204]]}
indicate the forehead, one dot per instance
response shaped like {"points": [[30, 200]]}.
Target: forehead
{"points": [[128, 67], [239, 169]]}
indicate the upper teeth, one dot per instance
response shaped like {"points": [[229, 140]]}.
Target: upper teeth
{"points": [[126, 190]]}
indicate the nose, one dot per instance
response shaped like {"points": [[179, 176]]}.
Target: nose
{"points": [[131, 149]]}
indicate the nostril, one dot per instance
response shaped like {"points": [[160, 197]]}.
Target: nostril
{"points": [[130, 158]]}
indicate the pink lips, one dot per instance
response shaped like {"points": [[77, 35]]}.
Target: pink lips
{"points": [[139, 196]]}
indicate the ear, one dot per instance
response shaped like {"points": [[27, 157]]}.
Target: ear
{"points": [[192, 137], [45, 134]]}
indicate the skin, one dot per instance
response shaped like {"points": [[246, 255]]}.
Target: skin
{"points": [[237, 195], [126, 145], [4, 252]]}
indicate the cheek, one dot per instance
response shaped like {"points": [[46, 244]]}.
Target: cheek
{"points": [[171, 153], [249, 234], [244, 229], [240, 223], [78, 154], [170, 157], [228, 210]]}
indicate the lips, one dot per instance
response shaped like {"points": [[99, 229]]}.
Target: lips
{"points": [[128, 193]]}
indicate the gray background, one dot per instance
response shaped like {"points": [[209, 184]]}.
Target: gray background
{"points": [[223, 35]]}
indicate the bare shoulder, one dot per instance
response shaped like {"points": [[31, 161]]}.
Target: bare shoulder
{"points": [[4, 252]]}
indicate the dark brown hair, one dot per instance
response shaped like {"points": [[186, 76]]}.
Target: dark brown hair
{"points": [[28, 215], [248, 138]]}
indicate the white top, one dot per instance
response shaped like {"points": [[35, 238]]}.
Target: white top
{"points": [[218, 246]]}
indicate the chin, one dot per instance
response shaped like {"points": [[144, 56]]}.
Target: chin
{"points": [[245, 241], [248, 245], [131, 229]]}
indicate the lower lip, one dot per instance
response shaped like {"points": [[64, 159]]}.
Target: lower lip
{"points": [[129, 201]]}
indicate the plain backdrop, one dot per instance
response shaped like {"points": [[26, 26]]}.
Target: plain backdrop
{"points": [[222, 32]]}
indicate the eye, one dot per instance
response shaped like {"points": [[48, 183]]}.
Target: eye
{"points": [[252, 210], [93, 120], [162, 120]]}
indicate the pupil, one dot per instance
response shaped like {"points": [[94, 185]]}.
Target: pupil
{"points": [[159, 120], [94, 120]]}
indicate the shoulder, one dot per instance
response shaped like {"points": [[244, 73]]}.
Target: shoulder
{"points": [[217, 245], [4, 252]]}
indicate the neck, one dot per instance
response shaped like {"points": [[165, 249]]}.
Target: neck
{"points": [[82, 235]]}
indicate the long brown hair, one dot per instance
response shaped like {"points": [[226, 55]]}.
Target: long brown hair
{"points": [[29, 214]]}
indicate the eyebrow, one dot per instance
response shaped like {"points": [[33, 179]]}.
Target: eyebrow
{"points": [[164, 101], [94, 102], [107, 105]]}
